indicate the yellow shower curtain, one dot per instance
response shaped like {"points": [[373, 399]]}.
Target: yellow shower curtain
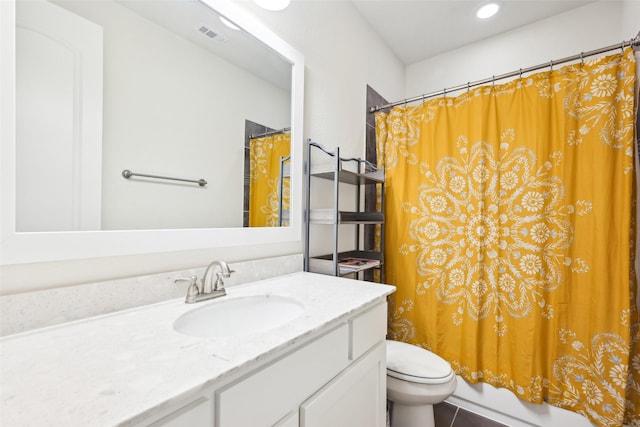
{"points": [[264, 187], [509, 234]]}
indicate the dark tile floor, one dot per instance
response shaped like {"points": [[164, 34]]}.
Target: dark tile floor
{"points": [[448, 415]]}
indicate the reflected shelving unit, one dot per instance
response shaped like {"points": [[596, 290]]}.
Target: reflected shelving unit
{"points": [[351, 172]]}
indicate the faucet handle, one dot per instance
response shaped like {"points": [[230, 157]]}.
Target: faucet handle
{"points": [[192, 279], [193, 290], [219, 285]]}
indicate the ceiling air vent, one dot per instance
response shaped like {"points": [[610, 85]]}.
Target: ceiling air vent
{"points": [[207, 32]]}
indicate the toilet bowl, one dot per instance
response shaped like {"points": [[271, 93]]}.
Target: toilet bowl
{"points": [[416, 380]]}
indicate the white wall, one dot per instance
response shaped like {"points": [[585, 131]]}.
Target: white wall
{"points": [[342, 55], [590, 27], [630, 19], [175, 110]]}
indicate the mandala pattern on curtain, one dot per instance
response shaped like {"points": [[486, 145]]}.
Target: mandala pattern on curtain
{"points": [[510, 230]]}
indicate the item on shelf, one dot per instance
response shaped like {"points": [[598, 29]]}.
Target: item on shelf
{"points": [[348, 265], [357, 264]]}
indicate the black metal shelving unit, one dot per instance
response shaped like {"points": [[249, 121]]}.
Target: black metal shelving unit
{"points": [[365, 174]]}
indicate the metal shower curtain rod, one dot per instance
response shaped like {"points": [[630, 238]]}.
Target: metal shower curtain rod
{"points": [[634, 43], [271, 132]]}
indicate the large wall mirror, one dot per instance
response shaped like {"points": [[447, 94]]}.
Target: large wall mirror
{"points": [[109, 100]]}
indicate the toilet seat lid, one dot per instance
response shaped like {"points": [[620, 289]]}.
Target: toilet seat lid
{"points": [[415, 364]]}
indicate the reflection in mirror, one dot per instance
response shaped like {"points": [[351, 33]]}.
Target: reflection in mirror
{"points": [[267, 177], [51, 246], [156, 87]]}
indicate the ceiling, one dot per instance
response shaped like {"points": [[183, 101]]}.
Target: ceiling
{"points": [[419, 29]]}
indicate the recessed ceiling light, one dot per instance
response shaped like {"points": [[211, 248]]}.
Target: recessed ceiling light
{"points": [[229, 24], [272, 4], [487, 10]]}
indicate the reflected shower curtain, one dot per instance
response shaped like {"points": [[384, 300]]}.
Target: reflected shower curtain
{"points": [[264, 188], [510, 231]]}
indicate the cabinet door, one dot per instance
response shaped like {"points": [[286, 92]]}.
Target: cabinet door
{"points": [[58, 119], [357, 397]]}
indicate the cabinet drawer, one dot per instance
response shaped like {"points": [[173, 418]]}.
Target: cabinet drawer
{"points": [[196, 414], [266, 396], [368, 329]]}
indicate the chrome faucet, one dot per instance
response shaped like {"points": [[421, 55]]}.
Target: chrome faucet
{"points": [[207, 291], [224, 273]]}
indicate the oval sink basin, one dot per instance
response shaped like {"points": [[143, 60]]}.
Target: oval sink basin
{"points": [[232, 317]]}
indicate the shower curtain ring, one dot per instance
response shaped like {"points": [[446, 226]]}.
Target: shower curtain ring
{"points": [[520, 73], [468, 87], [493, 81], [551, 65], [622, 47], [582, 58], [444, 92]]}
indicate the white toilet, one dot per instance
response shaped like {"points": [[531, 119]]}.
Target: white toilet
{"points": [[416, 380]]}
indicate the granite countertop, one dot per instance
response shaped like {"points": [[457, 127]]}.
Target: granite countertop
{"points": [[122, 367]]}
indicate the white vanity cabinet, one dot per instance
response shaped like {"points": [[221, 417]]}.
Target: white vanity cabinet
{"points": [[338, 379], [325, 368]]}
